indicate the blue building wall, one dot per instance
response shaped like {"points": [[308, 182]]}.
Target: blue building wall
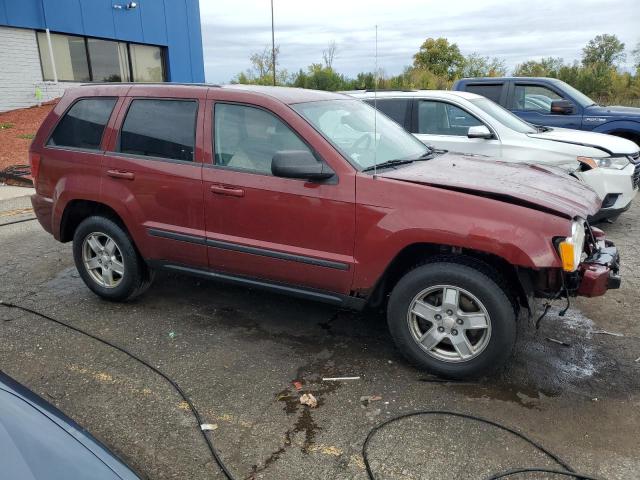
{"points": [[174, 24]]}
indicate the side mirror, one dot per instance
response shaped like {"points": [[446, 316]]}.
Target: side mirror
{"points": [[561, 107], [479, 131], [299, 164]]}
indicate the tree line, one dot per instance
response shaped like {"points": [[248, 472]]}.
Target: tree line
{"points": [[438, 63]]}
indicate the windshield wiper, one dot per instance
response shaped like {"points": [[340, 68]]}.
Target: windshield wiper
{"points": [[387, 164], [429, 154]]}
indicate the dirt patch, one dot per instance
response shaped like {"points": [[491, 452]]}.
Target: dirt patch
{"points": [[17, 129]]}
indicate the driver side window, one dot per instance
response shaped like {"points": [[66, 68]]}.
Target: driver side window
{"points": [[246, 138], [440, 118], [534, 98]]}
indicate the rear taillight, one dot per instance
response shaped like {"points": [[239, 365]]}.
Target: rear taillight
{"points": [[34, 160]]}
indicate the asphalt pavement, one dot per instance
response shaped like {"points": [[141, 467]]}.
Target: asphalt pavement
{"points": [[237, 353]]}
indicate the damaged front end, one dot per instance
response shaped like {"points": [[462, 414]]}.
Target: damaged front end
{"points": [[590, 266]]}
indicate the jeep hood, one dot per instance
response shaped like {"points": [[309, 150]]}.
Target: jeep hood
{"points": [[538, 187], [607, 143]]}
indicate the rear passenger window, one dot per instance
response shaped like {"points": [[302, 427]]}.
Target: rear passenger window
{"points": [[160, 128], [491, 91], [394, 108], [83, 125]]}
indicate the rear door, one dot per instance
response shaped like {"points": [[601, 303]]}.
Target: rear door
{"points": [[445, 126], [532, 103], [279, 229], [152, 174]]}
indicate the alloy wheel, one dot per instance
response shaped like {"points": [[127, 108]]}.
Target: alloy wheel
{"points": [[449, 323], [103, 260]]}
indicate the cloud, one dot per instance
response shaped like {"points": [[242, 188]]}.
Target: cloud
{"points": [[516, 32]]}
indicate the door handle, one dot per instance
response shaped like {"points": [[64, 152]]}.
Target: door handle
{"points": [[224, 190], [121, 174]]}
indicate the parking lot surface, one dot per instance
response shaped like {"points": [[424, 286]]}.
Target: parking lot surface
{"points": [[236, 353]]}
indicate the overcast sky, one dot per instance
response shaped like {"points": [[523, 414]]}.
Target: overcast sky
{"points": [[514, 30]]}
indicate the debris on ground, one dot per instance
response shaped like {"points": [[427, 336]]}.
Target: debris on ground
{"points": [[365, 400], [309, 400], [605, 332], [339, 379], [297, 385], [559, 342], [207, 427], [638, 360]]}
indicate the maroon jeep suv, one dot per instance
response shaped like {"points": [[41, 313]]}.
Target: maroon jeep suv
{"points": [[315, 195]]}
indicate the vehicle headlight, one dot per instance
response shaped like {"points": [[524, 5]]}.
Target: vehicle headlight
{"points": [[607, 162], [571, 248]]}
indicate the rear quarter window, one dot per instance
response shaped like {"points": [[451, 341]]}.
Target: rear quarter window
{"points": [[83, 124], [491, 91]]}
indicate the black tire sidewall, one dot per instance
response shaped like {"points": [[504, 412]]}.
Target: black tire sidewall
{"points": [[133, 268], [492, 296]]}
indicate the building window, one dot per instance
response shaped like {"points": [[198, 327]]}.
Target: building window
{"points": [[70, 54], [109, 61], [83, 59], [146, 61]]}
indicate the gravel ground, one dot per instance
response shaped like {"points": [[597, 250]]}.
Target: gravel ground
{"points": [[236, 352]]}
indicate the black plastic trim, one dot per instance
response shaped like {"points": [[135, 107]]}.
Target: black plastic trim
{"points": [[182, 237], [274, 254], [276, 287], [245, 249]]}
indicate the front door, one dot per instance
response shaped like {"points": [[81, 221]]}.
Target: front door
{"points": [[445, 126], [278, 229], [153, 173]]}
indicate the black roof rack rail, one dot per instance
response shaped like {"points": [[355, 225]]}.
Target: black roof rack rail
{"points": [[371, 90]]}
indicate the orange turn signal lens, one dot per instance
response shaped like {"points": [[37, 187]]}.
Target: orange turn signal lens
{"points": [[567, 255]]}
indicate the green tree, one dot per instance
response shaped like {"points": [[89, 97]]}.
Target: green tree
{"points": [[439, 57], [605, 49], [545, 67], [635, 53], [261, 71], [475, 65]]}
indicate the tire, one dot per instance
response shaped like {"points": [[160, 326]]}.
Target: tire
{"points": [[107, 260], [469, 340]]}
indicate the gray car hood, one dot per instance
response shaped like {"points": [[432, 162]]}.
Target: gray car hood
{"points": [[609, 144]]}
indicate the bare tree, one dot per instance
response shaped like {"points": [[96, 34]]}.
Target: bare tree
{"points": [[329, 54]]}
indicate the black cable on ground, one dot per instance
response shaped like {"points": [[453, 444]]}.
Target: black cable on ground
{"points": [[176, 387], [567, 472], [18, 221]]}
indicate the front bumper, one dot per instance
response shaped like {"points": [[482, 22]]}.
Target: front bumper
{"points": [[599, 272], [620, 185]]}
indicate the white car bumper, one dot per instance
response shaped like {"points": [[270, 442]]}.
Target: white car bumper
{"points": [[617, 188]]}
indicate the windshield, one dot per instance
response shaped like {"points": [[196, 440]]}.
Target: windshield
{"points": [[349, 126], [577, 95], [503, 115]]}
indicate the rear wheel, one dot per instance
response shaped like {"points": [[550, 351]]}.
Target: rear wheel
{"points": [[452, 319], [107, 260]]}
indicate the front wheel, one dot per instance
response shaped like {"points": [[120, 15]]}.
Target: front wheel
{"points": [[452, 319], [107, 260]]}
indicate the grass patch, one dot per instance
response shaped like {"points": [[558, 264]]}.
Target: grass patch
{"points": [[27, 136], [5, 125]]}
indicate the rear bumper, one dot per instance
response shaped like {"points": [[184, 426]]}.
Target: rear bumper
{"points": [[43, 208], [599, 272]]}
